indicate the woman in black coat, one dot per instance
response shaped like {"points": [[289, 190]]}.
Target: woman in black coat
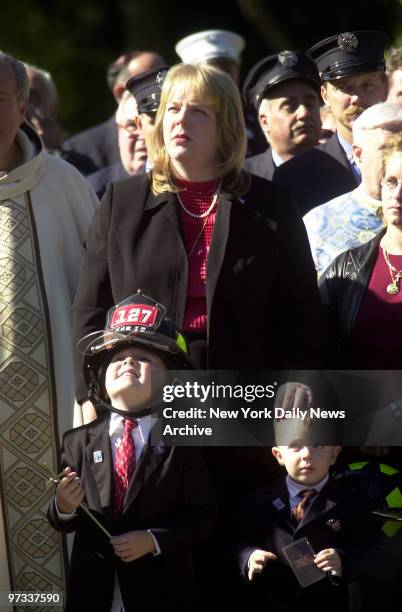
{"points": [[362, 287], [225, 252]]}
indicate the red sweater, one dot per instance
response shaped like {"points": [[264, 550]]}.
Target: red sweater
{"points": [[197, 235], [378, 329]]}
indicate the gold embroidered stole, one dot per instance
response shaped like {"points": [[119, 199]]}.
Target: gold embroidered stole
{"points": [[28, 408]]}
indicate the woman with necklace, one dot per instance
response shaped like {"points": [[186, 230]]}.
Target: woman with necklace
{"points": [[224, 251], [362, 288]]}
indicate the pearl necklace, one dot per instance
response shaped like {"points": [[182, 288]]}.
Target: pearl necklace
{"points": [[215, 198], [393, 287]]}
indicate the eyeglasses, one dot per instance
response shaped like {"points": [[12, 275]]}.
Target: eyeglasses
{"points": [[391, 184], [131, 128]]}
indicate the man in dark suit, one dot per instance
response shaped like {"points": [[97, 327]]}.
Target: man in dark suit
{"points": [[133, 153], [284, 89], [352, 69], [156, 501], [100, 142]]}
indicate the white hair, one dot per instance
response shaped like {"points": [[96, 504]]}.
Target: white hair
{"points": [[20, 74], [127, 108], [383, 116]]}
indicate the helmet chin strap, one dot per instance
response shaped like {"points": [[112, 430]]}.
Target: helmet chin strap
{"points": [[102, 406]]}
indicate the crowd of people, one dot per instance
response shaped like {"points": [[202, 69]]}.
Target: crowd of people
{"points": [[234, 232]]}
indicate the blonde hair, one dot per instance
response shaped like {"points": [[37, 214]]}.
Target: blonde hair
{"points": [[211, 86], [392, 146]]}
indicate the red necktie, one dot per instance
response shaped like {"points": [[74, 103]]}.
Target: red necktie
{"points": [[124, 465], [300, 510]]}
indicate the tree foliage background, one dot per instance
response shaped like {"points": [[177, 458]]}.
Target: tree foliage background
{"points": [[76, 40]]}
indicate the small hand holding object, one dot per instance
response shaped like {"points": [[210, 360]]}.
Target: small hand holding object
{"points": [[257, 561], [133, 545], [328, 560], [69, 493]]}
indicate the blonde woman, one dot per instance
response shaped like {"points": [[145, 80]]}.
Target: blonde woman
{"points": [[225, 252]]}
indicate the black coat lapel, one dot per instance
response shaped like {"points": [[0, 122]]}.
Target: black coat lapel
{"points": [[169, 209], [99, 441], [334, 148], [278, 501], [151, 459], [323, 503], [218, 248]]}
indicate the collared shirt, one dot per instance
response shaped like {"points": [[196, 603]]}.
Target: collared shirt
{"points": [[347, 147], [343, 223], [140, 434], [295, 488], [278, 161]]}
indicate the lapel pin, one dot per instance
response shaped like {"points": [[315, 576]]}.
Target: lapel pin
{"points": [[278, 503], [335, 524], [98, 456]]}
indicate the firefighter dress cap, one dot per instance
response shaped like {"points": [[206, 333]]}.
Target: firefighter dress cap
{"points": [[276, 69], [136, 320], [146, 88], [209, 45], [349, 53]]}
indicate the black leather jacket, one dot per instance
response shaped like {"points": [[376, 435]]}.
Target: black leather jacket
{"points": [[343, 286]]}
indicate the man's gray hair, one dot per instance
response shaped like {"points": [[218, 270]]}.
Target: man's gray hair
{"points": [[384, 116], [21, 77], [47, 77]]}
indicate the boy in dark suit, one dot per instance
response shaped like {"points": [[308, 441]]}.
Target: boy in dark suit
{"points": [[156, 501], [307, 503]]}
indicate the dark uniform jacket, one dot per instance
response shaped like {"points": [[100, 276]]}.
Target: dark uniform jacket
{"points": [[343, 287], [101, 178], [261, 165], [317, 176], [263, 306], [169, 493], [99, 143], [337, 518]]}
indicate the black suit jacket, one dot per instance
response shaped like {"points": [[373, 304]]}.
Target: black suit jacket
{"points": [[317, 176], [337, 518], [99, 143], [169, 493], [261, 165], [263, 307]]}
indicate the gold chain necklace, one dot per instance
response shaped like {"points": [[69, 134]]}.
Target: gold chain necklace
{"points": [[215, 198], [198, 237], [393, 287]]}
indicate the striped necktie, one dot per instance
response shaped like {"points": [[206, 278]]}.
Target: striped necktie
{"points": [[300, 510], [124, 465]]}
